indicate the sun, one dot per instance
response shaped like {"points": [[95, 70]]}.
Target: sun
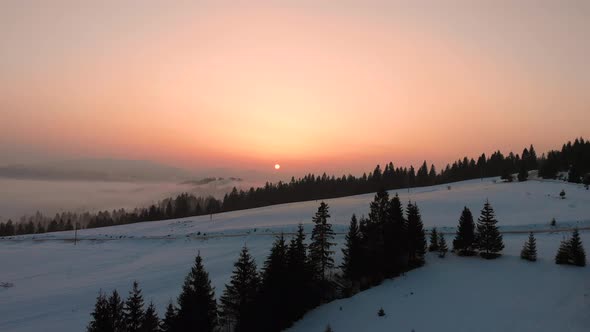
{"points": [[277, 166]]}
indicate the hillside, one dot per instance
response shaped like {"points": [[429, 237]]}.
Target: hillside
{"points": [[56, 282]]}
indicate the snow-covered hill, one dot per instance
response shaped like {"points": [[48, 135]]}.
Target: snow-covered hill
{"points": [[55, 282]]}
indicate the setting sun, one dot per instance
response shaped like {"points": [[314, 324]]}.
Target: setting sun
{"points": [[277, 166]]}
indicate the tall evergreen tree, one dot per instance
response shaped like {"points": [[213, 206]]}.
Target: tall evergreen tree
{"points": [[465, 238], [352, 255], [299, 276], [322, 235], [442, 246], [529, 250], [274, 289], [489, 239], [395, 237], [151, 322], [433, 240], [563, 253], [197, 308], [416, 236], [168, 324], [134, 312], [577, 255], [100, 316], [238, 299], [523, 173], [116, 312]]}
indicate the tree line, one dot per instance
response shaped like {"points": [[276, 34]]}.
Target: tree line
{"points": [[573, 158]]}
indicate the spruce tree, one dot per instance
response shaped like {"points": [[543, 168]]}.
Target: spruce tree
{"points": [[416, 236], [529, 250], [274, 289], [433, 240], [168, 324], [299, 276], [489, 239], [134, 312], [577, 255], [116, 312], [100, 316], [352, 255], [239, 296], [150, 322], [197, 308], [442, 246], [563, 253], [465, 238], [322, 235], [395, 238]]}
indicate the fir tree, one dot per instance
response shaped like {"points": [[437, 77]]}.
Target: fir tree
{"points": [[433, 240], [238, 299], [320, 255], [100, 316], [395, 238], [352, 255], [442, 246], [416, 236], [168, 324], [529, 250], [563, 253], [150, 322], [465, 238], [489, 239], [577, 255], [197, 308], [116, 312], [274, 289], [299, 276], [134, 309]]}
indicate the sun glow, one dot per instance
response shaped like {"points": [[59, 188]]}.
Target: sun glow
{"points": [[277, 166]]}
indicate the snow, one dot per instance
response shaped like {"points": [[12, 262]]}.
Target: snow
{"points": [[55, 282]]}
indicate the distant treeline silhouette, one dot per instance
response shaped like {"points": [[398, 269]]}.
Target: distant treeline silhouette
{"points": [[574, 158]]}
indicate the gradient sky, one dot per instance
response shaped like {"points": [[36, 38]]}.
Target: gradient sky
{"points": [[314, 85]]}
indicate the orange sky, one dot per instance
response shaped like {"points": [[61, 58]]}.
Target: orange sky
{"points": [[335, 85]]}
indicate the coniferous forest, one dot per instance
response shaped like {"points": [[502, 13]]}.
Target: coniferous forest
{"points": [[573, 158], [297, 277]]}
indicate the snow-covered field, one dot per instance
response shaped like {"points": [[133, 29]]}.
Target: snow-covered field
{"points": [[56, 282]]}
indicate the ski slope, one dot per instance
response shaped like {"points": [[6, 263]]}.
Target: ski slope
{"points": [[55, 282]]}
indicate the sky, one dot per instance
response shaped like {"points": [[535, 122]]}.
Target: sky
{"points": [[313, 85]]}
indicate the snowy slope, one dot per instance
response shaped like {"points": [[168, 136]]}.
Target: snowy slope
{"points": [[55, 282]]}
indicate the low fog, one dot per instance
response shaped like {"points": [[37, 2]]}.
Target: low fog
{"points": [[19, 196]]}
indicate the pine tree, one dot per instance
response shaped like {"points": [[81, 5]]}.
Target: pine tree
{"points": [[563, 253], [238, 299], [116, 312], [134, 309], [168, 324], [299, 276], [489, 239], [442, 246], [577, 255], [529, 250], [433, 240], [416, 236], [465, 238], [320, 255], [352, 255], [197, 308], [274, 289], [150, 322], [100, 316], [395, 238]]}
